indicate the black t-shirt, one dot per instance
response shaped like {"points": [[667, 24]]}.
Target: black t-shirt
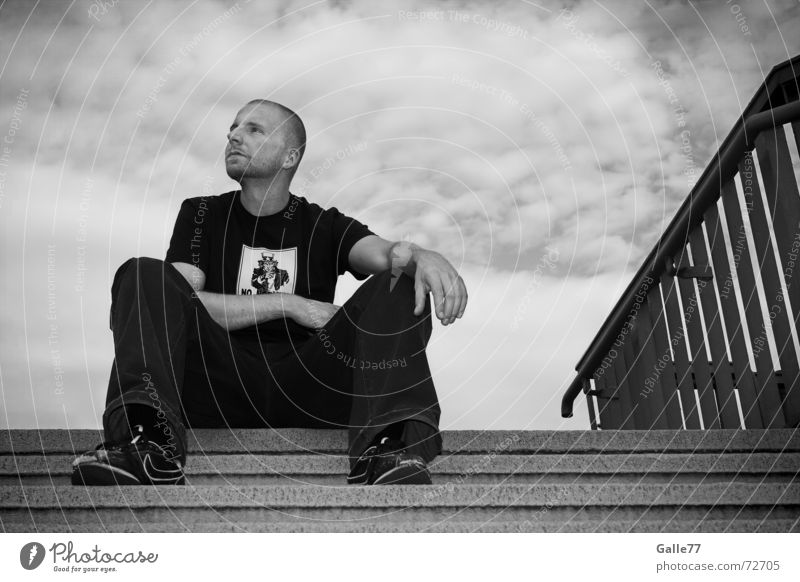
{"points": [[302, 249]]}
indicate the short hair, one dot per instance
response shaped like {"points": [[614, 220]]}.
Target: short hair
{"points": [[293, 125]]}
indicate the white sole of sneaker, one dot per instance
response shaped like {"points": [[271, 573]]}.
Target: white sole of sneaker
{"points": [[404, 475]]}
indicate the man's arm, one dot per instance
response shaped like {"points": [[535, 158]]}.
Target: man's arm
{"points": [[238, 311], [432, 273]]}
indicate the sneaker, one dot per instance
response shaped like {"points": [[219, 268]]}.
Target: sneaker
{"points": [[388, 463], [138, 461]]}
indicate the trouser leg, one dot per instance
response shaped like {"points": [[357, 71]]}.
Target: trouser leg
{"points": [[171, 356], [367, 371]]}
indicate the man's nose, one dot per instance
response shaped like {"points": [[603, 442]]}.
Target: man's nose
{"points": [[234, 137]]}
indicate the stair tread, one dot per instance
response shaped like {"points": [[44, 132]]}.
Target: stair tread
{"points": [[443, 526], [305, 464], [507, 495], [289, 440]]}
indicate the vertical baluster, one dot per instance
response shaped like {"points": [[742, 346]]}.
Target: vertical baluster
{"points": [[608, 404], [796, 132], [768, 267], [682, 365], [742, 373], [783, 208], [665, 368], [590, 403], [726, 399], [697, 345]]}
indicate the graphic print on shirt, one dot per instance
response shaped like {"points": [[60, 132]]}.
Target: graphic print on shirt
{"points": [[263, 270]]}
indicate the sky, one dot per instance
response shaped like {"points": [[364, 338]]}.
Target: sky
{"points": [[541, 147]]}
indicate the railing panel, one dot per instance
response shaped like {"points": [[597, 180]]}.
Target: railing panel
{"points": [[726, 286], [665, 367], [635, 377], [773, 292], [720, 368], [783, 208], [681, 361], [649, 395], [766, 386], [622, 375], [698, 358]]}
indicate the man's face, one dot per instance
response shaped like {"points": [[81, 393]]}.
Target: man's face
{"points": [[257, 146]]}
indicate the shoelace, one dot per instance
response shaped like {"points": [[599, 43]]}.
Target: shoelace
{"points": [[122, 443], [368, 458]]}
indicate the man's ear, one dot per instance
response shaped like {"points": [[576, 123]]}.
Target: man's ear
{"points": [[292, 159]]}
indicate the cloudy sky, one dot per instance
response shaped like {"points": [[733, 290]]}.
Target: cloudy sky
{"points": [[541, 147]]}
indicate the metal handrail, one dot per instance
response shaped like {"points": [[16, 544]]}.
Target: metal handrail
{"points": [[705, 193]]}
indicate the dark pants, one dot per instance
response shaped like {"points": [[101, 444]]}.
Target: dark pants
{"points": [[366, 370]]}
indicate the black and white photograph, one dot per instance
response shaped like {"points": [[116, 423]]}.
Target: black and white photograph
{"points": [[466, 278]]}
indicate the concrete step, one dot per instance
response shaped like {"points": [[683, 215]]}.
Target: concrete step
{"points": [[294, 480], [295, 440], [188, 507], [327, 469], [732, 525]]}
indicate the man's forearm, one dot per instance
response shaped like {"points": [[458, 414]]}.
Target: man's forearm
{"points": [[238, 311]]}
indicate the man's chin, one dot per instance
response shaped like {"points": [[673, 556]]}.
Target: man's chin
{"points": [[235, 173]]}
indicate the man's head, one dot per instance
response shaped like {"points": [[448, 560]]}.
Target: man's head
{"points": [[265, 139], [268, 262]]}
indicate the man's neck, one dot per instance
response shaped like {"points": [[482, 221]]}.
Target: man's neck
{"points": [[265, 197]]}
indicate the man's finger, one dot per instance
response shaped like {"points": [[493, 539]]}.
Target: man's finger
{"points": [[464, 296], [420, 293], [452, 300], [447, 300], [456, 300], [435, 287], [438, 298]]}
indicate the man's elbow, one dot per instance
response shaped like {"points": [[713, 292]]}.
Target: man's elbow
{"points": [[193, 275]]}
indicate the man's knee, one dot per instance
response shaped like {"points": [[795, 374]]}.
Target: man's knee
{"points": [[145, 268], [393, 283], [144, 271], [392, 292], [141, 265]]}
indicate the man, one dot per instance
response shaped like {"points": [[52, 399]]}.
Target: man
{"points": [[198, 342]]}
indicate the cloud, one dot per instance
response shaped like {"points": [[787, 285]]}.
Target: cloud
{"points": [[492, 132]]}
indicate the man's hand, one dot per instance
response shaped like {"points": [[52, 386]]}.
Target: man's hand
{"points": [[311, 313], [432, 274]]}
